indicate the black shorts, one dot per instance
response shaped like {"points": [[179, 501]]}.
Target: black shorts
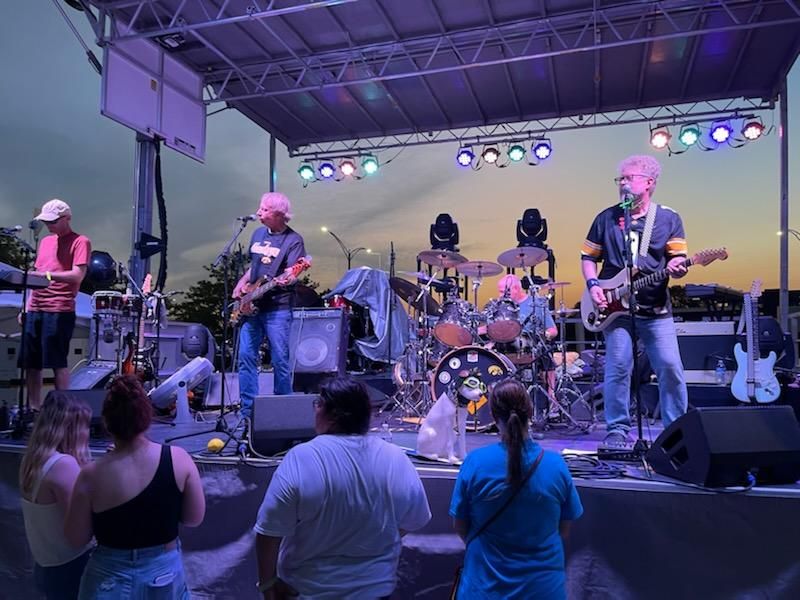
{"points": [[47, 337]]}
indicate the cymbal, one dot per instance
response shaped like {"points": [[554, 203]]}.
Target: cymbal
{"points": [[441, 258], [525, 256], [409, 292], [479, 268], [563, 312], [305, 297], [556, 284]]}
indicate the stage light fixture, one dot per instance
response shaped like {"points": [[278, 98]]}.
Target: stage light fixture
{"points": [[659, 138], [306, 172], [542, 149], [752, 130], [689, 135], [490, 155], [370, 165], [326, 170], [721, 132], [465, 156], [516, 152], [347, 167]]}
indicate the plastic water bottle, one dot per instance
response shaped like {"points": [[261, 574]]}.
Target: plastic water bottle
{"points": [[720, 372], [386, 433]]}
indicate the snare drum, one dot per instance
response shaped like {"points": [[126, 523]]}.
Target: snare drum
{"points": [[453, 327], [521, 351], [502, 320], [107, 304], [491, 367]]}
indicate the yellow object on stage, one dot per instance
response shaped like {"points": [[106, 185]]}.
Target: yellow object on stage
{"points": [[215, 445]]}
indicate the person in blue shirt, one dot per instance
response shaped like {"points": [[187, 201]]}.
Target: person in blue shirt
{"points": [[521, 553]]}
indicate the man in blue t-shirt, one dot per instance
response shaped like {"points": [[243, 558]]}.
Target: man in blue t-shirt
{"points": [[274, 248], [665, 249]]}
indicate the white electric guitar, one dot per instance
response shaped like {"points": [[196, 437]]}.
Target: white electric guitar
{"points": [[755, 379]]}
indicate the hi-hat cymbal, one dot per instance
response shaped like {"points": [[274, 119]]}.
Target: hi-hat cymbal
{"points": [[441, 258], [479, 268], [556, 284], [410, 292], [524, 256]]}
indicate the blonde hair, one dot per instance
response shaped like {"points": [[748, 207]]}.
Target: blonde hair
{"points": [[278, 202], [62, 426]]}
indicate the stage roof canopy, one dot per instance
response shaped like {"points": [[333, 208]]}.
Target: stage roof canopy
{"points": [[321, 71]]}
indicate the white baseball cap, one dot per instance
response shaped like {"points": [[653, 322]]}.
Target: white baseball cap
{"points": [[53, 210]]}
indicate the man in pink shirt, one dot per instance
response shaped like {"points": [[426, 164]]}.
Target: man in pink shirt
{"points": [[62, 258]]}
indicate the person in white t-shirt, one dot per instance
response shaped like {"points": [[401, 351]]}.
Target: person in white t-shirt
{"points": [[331, 522]]}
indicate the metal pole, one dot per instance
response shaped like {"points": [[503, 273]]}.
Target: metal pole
{"points": [[143, 204], [784, 203], [273, 171]]}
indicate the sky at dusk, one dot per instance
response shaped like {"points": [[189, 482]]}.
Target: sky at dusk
{"points": [[55, 143]]}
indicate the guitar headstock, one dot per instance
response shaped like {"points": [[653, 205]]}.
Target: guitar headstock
{"points": [[709, 255], [147, 284], [755, 288]]}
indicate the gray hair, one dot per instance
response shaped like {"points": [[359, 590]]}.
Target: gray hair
{"points": [[278, 202], [645, 164]]}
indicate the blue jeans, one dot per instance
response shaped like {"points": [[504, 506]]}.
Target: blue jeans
{"points": [[153, 573], [661, 344], [276, 325], [61, 582]]}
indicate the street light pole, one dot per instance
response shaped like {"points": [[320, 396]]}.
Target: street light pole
{"points": [[348, 253]]}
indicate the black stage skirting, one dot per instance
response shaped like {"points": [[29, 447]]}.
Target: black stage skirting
{"points": [[637, 539]]}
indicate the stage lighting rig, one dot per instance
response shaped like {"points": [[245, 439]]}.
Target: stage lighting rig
{"points": [[542, 149], [660, 137], [516, 152], [532, 229], [721, 132], [689, 134], [306, 172], [370, 165], [444, 233], [490, 155], [465, 156]]}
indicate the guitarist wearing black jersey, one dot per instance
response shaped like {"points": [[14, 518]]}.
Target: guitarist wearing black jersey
{"points": [[273, 249], [657, 241]]}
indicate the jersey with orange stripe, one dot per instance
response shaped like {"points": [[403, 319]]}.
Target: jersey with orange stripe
{"points": [[604, 243]]}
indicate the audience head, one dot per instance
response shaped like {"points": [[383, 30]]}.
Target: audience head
{"points": [[61, 426], [512, 410], [343, 407], [127, 410]]}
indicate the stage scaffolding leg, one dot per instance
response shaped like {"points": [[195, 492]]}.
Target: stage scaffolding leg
{"points": [[144, 169], [784, 204]]}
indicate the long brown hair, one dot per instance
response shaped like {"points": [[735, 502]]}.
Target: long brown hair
{"points": [[511, 405], [62, 426]]}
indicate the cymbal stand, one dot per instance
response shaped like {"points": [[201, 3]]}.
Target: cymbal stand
{"points": [[566, 392]]}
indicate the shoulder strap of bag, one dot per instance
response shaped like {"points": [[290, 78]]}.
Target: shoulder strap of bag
{"points": [[510, 499]]}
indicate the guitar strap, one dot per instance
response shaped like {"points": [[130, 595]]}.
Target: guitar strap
{"points": [[650, 221]]}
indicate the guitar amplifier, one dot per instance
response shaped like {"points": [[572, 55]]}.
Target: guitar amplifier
{"points": [[702, 344], [318, 342]]}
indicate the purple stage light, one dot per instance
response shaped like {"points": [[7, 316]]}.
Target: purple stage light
{"points": [[721, 132], [465, 156]]}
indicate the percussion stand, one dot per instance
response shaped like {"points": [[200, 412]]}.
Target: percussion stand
{"points": [[566, 392]]}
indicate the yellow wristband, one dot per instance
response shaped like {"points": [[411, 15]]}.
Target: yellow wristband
{"points": [[49, 275]]}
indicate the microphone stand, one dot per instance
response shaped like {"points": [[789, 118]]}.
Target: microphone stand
{"points": [[391, 305], [640, 446], [221, 425]]}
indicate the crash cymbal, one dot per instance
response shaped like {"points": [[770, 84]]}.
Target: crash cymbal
{"points": [[410, 292], [524, 256], [441, 258], [556, 284], [563, 312], [305, 297], [479, 268]]}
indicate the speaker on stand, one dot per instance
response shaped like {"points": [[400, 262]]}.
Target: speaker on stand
{"points": [[318, 346]]}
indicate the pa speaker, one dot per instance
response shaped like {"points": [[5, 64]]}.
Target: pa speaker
{"points": [[719, 446], [318, 341], [94, 399], [92, 375], [280, 422]]}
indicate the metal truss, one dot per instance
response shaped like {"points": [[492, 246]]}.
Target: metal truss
{"points": [[554, 35], [661, 116]]}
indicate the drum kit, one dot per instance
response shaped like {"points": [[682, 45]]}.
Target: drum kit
{"points": [[452, 336]]}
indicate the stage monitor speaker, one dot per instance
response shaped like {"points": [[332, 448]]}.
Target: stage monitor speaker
{"points": [[719, 446], [318, 342], [94, 399], [280, 422], [94, 374]]}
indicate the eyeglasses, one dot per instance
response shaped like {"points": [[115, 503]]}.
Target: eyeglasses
{"points": [[622, 178]]}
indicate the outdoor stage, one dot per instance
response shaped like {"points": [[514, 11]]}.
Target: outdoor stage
{"points": [[638, 538]]}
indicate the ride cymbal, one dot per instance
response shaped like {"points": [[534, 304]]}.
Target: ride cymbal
{"points": [[479, 268], [441, 258], [524, 256]]}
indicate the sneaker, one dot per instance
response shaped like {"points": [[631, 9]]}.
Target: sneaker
{"points": [[616, 439]]}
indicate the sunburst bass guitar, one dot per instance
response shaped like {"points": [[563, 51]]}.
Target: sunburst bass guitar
{"points": [[245, 306]]}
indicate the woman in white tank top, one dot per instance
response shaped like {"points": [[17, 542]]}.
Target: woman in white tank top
{"points": [[57, 449]]}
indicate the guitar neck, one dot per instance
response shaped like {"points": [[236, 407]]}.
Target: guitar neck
{"points": [[261, 290], [660, 275]]}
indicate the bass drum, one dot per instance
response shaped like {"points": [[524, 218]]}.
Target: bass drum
{"points": [[486, 365]]}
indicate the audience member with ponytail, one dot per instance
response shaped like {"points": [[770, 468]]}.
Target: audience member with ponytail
{"points": [[57, 449], [132, 500], [528, 498]]}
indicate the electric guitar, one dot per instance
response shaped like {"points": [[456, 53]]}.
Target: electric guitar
{"points": [[140, 358], [617, 290], [245, 307], [755, 379]]}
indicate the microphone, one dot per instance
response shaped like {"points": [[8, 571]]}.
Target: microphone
{"points": [[627, 197], [10, 230], [247, 218], [35, 226]]}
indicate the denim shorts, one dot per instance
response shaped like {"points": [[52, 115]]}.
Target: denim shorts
{"points": [[154, 573], [47, 337]]}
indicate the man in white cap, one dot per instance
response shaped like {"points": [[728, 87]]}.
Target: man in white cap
{"points": [[62, 258]]}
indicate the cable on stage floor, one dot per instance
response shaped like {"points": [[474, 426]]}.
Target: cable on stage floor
{"points": [[585, 466], [751, 482]]}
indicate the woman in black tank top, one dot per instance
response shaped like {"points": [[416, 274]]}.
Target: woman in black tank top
{"points": [[133, 500]]}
